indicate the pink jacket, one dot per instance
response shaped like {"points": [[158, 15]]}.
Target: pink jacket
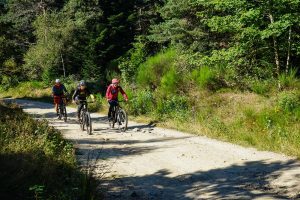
{"points": [[112, 92]]}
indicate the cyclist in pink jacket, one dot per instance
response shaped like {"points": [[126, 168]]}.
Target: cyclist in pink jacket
{"points": [[112, 93]]}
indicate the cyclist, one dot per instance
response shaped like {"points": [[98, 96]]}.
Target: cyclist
{"points": [[112, 93], [80, 94], [58, 91]]}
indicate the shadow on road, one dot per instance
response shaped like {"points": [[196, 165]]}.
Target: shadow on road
{"points": [[247, 181]]}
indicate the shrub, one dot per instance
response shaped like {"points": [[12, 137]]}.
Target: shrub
{"points": [[260, 87], [203, 76], [288, 101], [142, 102], [289, 80], [175, 107], [151, 72], [169, 82]]}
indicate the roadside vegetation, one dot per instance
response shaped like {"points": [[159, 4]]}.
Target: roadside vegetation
{"points": [[36, 162]]}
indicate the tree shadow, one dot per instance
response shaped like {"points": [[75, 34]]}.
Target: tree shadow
{"points": [[126, 142], [248, 181], [21, 171]]}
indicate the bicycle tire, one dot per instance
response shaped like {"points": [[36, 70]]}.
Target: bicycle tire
{"points": [[88, 122], [60, 112], [122, 120], [81, 120], [65, 114]]}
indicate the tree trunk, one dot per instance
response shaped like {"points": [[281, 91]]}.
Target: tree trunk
{"points": [[63, 64], [277, 70], [289, 51]]}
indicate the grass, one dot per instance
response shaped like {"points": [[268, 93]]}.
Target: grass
{"points": [[267, 123], [36, 162]]}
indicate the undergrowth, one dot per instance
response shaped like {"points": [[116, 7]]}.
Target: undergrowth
{"points": [[36, 162]]}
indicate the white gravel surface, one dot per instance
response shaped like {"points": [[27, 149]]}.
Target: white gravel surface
{"points": [[147, 162]]}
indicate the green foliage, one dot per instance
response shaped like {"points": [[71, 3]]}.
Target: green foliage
{"points": [[39, 158], [169, 81], [130, 63], [203, 76], [173, 106], [142, 102], [150, 73], [261, 86], [289, 80], [289, 101]]}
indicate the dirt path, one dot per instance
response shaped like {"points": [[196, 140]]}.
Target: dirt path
{"points": [[154, 163]]}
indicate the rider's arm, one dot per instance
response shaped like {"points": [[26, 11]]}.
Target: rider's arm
{"points": [[75, 94], [53, 90], [124, 94], [108, 92], [64, 89]]}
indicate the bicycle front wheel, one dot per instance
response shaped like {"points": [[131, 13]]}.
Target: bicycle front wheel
{"points": [[122, 120], [88, 122]]}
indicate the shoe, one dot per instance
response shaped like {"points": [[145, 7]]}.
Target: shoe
{"points": [[58, 117]]}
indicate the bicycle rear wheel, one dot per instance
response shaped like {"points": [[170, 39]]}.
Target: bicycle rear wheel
{"points": [[82, 120], [60, 112], [88, 122], [122, 120], [65, 114]]}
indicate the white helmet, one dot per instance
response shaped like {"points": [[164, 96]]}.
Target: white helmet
{"points": [[57, 81]]}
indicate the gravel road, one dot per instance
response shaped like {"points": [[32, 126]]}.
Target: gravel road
{"points": [[147, 162]]}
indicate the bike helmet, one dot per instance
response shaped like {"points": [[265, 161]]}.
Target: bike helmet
{"points": [[82, 83], [114, 81], [57, 81]]}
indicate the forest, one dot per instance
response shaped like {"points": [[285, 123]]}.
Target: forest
{"points": [[229, 67]]}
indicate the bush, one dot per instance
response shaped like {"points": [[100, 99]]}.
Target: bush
{"points": [[289, 80], [203, 76], [151, 72], [169, 82], [175, 107], [260, 86], [288, 101], [142, 102]]}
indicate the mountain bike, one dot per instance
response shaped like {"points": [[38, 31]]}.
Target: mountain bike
{"points": [[85, 118], [62, 111], [119, 117]]}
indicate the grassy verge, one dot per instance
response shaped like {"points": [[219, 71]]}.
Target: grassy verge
{"points": [[36, 162], [266, 122]]}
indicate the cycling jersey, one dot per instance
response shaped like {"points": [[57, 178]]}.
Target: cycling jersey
{"points": [[81, 94], [112, 92]]}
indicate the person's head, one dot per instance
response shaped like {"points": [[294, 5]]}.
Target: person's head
{"points": [[57, 81], [82, 84], [115, 82]]}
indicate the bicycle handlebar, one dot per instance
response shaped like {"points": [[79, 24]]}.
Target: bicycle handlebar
{"points": [[85, 101]]}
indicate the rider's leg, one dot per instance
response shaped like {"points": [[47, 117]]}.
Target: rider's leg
{"points": [[56, 108], [80, 105], [110, 110], [112, 104]]}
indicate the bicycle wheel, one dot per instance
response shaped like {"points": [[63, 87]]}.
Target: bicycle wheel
{"points": [[122, 120], [88, 123], [82, 120], [60, 111], [65, 114]]}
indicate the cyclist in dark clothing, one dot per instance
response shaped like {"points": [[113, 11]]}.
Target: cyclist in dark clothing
{"points": [[80, 94]]}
